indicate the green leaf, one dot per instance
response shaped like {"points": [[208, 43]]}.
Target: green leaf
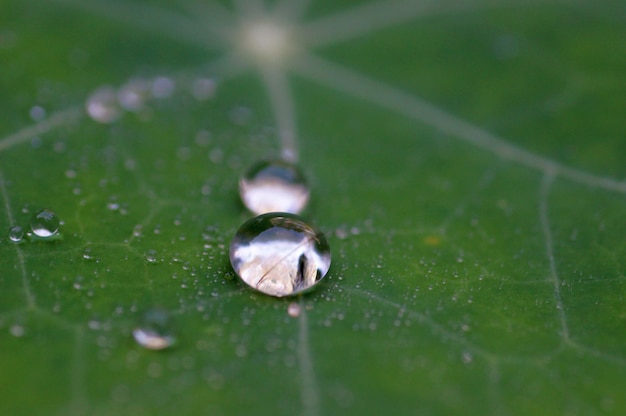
{"points": [[466, 162]]}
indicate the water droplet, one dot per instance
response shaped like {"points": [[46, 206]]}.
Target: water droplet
{"points": [[279, 254], [162, 87], [274, 186], [154, 331], [102, 105], [37, 113], [240, 115], [16, 233], [203, 89], [45, 223], [132, 96], [294, 309], [17, 330], [151, 256]]}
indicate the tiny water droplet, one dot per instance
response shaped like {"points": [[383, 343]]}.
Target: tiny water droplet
{"points": [[162, 87], [133, 95], [102, 105], [37, 113], [154, 332], [274, 186], [294, 309], [203, 89], [17, 330], [279, 254], [240, 115], [16, 233], [45, 223], [87, 254], [151, 256]]}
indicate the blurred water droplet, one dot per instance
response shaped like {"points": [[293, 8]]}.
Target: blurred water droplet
{"points": [[240, 115], [102, 105], [16, 233], [294, 309], [163, 87], [37, 113], [279, 254], [203, 89], [154, 331], [132, 96], [17, 330], [45, 223], [274, 186], [151, 256], [87, 254]]}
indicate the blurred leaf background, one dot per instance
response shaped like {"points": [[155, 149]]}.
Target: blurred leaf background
{"points": [[466, 162]]}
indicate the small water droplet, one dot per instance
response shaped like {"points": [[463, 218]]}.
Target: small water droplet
{"points": [[154, 332], [162, 87], [45, 223], [203, 89], [102, 105], [151, 256], [279, 254], [274, 186], [87, 254], [37, 113], [132, 96], [294, 309], [16, 233], [240, 115], [17, 330], [216, 155]]}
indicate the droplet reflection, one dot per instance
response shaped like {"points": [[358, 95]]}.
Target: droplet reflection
{"points": [[16, 233], [274, 186], [45, 223], [279, 254], [154, 332]]}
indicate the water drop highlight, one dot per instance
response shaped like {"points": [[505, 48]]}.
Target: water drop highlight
{"points": [[274, 186], [45, 223], [102, 105], [16, 233], [154, 332], [279, 254]]}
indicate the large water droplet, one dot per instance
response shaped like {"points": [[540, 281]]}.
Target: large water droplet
{"points": [[154, 332], [279, 254], [102, 105], [44, 223], [274, 186], [16, 233]]}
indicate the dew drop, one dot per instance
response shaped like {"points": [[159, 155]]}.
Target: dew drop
{"points": [[294, 309], [37, 113], [102, 105], [132, 96], [16, 233], [17, 330], [274, 186], [162, 87], [279, 254], [45, 223], [151, 256], [154, 332], [203, 89]]}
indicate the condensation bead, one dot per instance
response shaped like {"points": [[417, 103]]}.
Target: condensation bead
{"points": [[279, 254]]}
